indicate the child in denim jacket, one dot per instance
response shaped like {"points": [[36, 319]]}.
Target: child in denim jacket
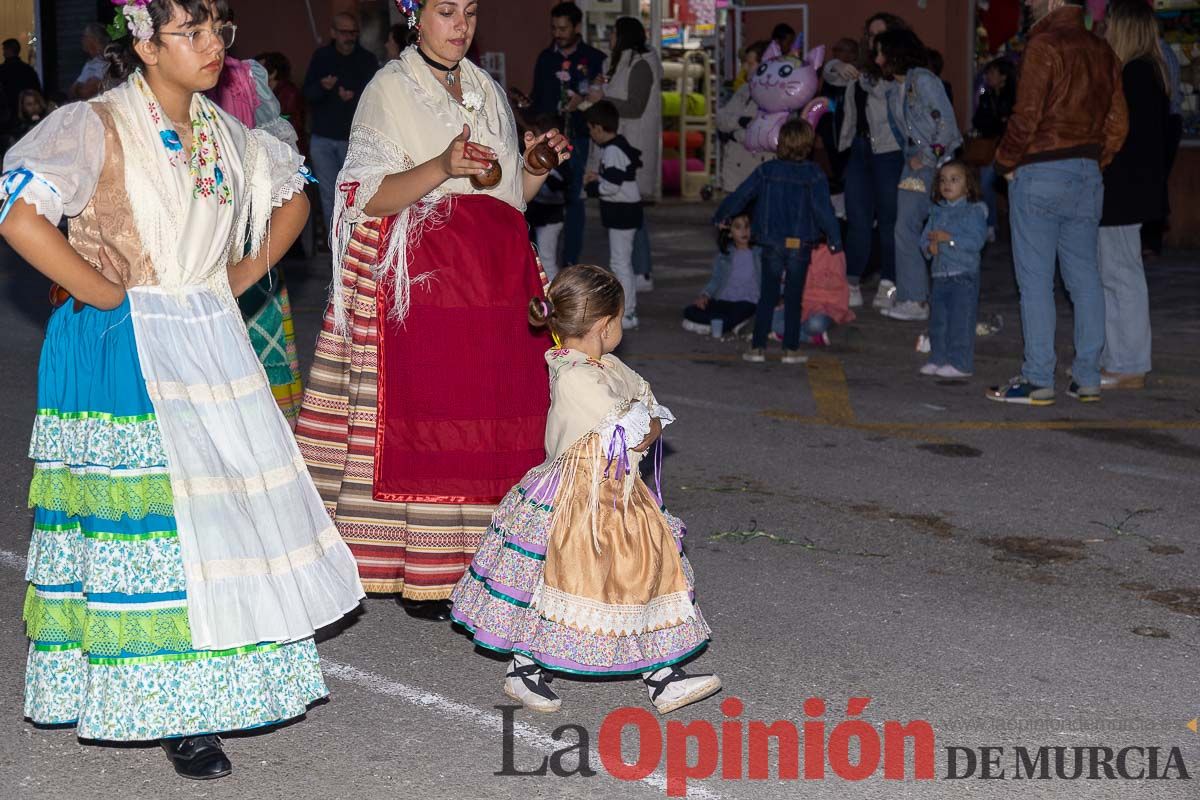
{"points": [[792, 208], [954, 237]]}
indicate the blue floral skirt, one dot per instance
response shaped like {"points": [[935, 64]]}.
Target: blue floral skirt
{"points": [[106, 608]]}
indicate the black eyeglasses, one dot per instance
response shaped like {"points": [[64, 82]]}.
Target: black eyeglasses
{"points": [[203, 39], [344, 32]]}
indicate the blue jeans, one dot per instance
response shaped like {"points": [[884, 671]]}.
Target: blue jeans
{"points": [[642, 262], [815, 325], [912, 270], [1056, 210], [987, 182], [871, 181], [777, 262], [327, 156], [575, 216], [953, 310]]}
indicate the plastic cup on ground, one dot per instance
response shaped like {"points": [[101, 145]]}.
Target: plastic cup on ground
{"points": [[718, 327]]}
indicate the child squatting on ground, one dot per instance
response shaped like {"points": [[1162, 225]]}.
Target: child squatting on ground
{"points": [[620, 199], [581, 571], [792, 209], [954, 237], [546, 211], [731, 296]]}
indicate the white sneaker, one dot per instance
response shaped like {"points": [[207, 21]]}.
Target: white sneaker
{"points": [[907, 311], [755, 355], [526, 683], [644, 283], [856, 300], [629, 323], [794, 357], [696, 327], [948, 371], [930, 368], [885, 295], [671, 688]]}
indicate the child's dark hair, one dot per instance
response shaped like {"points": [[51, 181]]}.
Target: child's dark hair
{"points": [[545, 122], [974, 187], [796, 139], [605, 115], [276, 63], [123, 60], [578, 296], [725, 235]]}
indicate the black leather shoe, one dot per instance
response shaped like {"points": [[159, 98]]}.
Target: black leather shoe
{"points": [[198, 758], [432, 610]]}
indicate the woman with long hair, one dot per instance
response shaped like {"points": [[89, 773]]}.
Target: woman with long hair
{"points": [[428, 394], [921, 114], [181, 559], [874, 164], [1135, 192]]}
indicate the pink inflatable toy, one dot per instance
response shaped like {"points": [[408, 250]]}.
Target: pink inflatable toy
{"points": [[781, 86]]}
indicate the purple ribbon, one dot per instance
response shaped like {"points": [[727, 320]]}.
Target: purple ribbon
{"points": [[619, 457], [658, 457]]}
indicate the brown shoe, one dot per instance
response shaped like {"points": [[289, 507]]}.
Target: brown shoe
{"points": [[1117, 380]]}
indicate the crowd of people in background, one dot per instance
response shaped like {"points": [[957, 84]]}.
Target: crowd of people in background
{"points": [[886, 150], [1083, 162]]}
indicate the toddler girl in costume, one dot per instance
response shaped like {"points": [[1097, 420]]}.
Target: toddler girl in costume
{"points": [[580, 570], [954, 237]]}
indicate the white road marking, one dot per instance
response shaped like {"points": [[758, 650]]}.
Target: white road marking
{"points": [[378, 684], [523, 733]]}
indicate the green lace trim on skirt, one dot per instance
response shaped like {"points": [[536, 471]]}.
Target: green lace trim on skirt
{"points": [[104, 494], [105, 632]]}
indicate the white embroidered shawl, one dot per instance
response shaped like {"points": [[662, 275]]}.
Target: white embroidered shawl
{"points": [[405, 118]]}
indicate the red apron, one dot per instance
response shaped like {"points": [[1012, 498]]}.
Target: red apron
{"points": [[463, 386]]}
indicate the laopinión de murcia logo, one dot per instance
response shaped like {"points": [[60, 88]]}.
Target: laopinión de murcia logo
{"points": [[853, 749]]}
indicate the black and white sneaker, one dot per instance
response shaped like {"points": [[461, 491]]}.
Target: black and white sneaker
{"points": [[526, 683], [671, 688]]}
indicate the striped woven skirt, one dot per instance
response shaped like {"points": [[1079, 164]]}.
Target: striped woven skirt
{"points": [[106, 607], [417, 550]]}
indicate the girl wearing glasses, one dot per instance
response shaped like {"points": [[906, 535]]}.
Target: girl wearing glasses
{"points": [[181, 558]]}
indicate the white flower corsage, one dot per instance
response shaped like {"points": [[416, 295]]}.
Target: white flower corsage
{"points": [[133, 17], [140, 24], [472, 101]]}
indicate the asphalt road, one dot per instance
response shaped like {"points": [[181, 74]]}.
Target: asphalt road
{"points": [[1012, 576]]}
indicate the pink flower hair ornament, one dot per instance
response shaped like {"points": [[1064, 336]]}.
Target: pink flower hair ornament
{"points": [[133, 17]]}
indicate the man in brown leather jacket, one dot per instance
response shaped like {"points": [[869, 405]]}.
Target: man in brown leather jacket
{"points": [[1068, 123]]}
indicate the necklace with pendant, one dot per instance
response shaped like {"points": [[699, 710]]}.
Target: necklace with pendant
{"points": [[450, 78]]}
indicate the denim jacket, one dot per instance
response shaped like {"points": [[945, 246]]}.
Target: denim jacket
{"points": [[721, 266], [923, 122], [966, 223], [791, 201]]}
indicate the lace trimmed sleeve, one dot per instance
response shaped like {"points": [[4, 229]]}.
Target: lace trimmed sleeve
{"points": [[285, 165], [56, 167]]}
